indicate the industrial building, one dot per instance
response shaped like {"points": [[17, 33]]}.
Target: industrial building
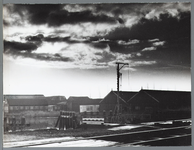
{"points": [[83, 104], [31, 111], [19, 103], [110, 101], [121, 107], [147, 105], [160, 104]]}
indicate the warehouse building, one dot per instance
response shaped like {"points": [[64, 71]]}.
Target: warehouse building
{"points": [[108, 104], [160, 104], [31, 111], [19, 103]]}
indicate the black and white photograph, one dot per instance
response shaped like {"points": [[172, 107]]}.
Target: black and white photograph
{"points": [[97, 75]]}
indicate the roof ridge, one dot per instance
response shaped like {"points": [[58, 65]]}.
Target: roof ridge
{"points": [[120, 98], [164, 90], [132, 97], [151, 96]]}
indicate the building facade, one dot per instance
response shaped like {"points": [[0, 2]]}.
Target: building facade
{"points": [[19, 103], [160, 105], [83, 104], [110, 102]]}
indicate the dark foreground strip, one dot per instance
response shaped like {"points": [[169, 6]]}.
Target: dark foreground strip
{"points": [[105, 136], [151, 142], [138, 132]]}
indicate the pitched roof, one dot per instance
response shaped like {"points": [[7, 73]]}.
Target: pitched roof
{"points": [[23, 96], [176, 98], [112, 96], [53, 100], [27, 102], [83, 100], [78, 98]]}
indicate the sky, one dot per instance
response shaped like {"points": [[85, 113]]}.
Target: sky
{"points": [[72, 49]]}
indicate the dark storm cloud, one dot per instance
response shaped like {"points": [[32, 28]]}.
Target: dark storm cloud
{"points": [[178, 51], [24, 50], [119, 46], [38, 56], [17, 46], [161, 65], [99, 45], [175, 51], [167, 27], [165, 37], [40, 38], [37, 13], [56, 39], [58, 14], [64, 17], [37, 38], [175, 33], [53, 15], [121, 8], [139, 10], [127, 49]]}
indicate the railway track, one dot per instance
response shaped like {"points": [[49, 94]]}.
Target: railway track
{"points": [[173, 136]]}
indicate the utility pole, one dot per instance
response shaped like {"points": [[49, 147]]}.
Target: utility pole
{"points": [[120, 65]]}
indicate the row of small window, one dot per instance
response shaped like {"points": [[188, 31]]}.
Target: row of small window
{"points": [[28, 107]]}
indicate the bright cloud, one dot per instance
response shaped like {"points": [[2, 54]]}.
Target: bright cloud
{"points": [[161, 43], [140, 63], [129, 42], [153, 40], [51, 48], [149, 49]]}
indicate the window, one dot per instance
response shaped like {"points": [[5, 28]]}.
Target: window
{"points": [[91, 108], [6, 109], [87, 109], [21, 107], [31, 107], [11, 107], [16, 107], [10, 120], [137, 108], [26, 107], [36, 107]]}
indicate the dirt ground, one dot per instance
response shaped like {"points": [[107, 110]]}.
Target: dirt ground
{"points": [[88, 131]]}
